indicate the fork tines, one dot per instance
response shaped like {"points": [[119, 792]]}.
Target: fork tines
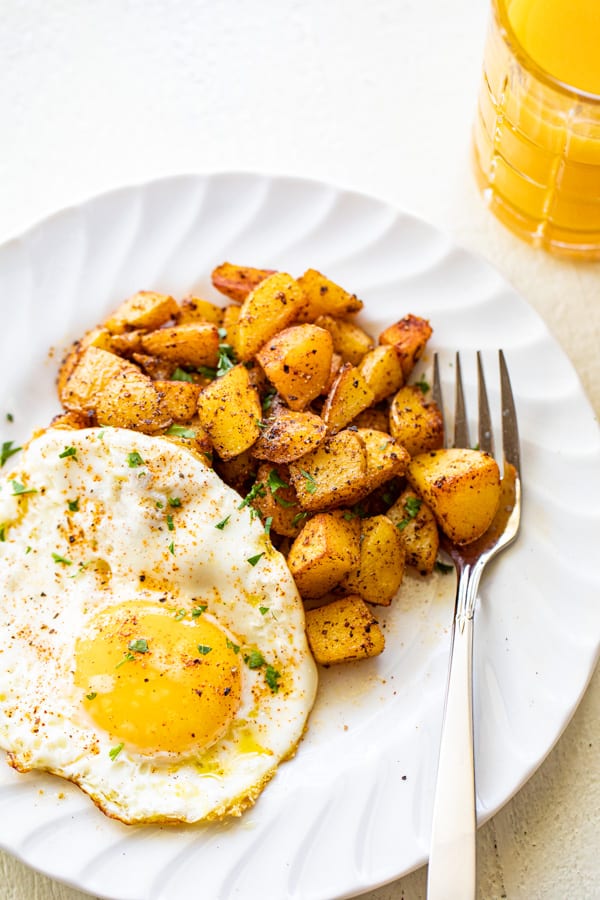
{"points": [[510, 435]]}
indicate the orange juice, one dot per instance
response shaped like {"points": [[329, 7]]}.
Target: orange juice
{"points": [[537, 134]]}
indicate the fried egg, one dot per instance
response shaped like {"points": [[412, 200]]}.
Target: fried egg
{"points": [[153, 647]]}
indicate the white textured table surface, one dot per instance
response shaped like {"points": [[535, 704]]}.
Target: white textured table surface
{"points": [[375, 96]]}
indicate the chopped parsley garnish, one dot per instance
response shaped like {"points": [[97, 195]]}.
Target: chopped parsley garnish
{"points": [[299, 516], [221, 525], [181, 431], [2, 534], [170, 525], [197, 611], [268, 400], [19, 489], [73, 505], [263, 610], [134, 459], [443, 567], [172, 548], [10, 417], [232, 646], [254, 559], [68, 451], [175, 502], [411, 508], [272, 677], [261, 424], [422, 384], [348, 516], [160, 505], [254, 659], [129, 657], [268, 523], [62, 559], [226, 359], [114, 752], [204, 649], [181, 375], [138, 646], [257, 490], [275, 482], [311, 484], [207, 372], [29, 549], [91, 696], [8, 450]]}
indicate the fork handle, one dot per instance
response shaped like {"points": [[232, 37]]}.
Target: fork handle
{"points": [[452, 860]]}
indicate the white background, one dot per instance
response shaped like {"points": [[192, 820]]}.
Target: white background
{"points": [[378, 96]]}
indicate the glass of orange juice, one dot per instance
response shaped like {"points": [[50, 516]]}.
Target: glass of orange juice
{"points": [[537, 131]]}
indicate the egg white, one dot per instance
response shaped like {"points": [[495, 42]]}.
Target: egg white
{"points": [[60, 566]]}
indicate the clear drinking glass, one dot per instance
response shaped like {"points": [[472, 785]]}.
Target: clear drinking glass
{"points": [[537, 147]]}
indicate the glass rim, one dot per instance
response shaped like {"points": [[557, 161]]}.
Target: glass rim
{"points": [[500, 8]]}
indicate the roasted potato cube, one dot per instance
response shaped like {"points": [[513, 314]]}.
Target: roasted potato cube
{"points": [[418, 530], [127, 343], [328, 476], [382, 371], [229, 410], [146, 310], [273, 305], [325, 297], [324, 551], [71, 421], [236, 282], [238, 471], [289, 435], [461, 486], [179, 399], [195, 309], [415, 423], [97, 337], [385, 457], [408, 338], [342, 631], [381, 566], [350, 341], [193, 345], [375, 419], [297, 361], [130, 400], [349, 395], [276, 499], [158, 369], [336, 364], [93, 370], [231, 316]]}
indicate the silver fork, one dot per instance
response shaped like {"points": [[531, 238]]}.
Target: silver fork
{"points": [[452, 859]]}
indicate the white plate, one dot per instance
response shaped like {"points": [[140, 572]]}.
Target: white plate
{"points": [[352, 810]]}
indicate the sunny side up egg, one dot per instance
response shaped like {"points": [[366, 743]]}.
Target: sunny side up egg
{"points": [[153, 647]]}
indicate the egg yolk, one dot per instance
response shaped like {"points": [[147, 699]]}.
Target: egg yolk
{"points": [[158, 680]]}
